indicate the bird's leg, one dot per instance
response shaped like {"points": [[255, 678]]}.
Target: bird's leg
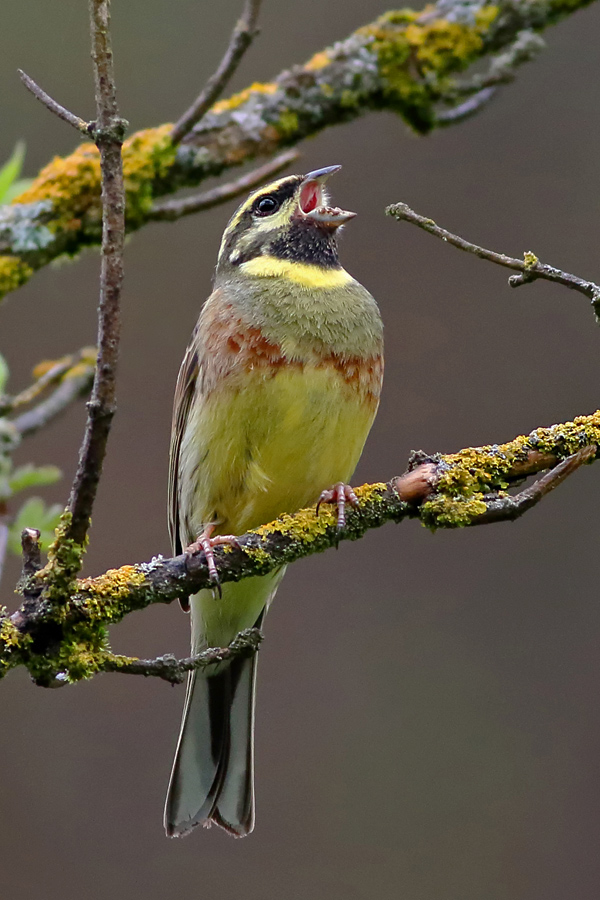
{"points": [[340, 494], [205, 542]]}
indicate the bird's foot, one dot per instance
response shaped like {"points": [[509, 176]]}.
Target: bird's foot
{"points": [[204, 543], [341, 494]]}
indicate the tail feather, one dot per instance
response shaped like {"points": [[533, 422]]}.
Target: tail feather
{"points": [[212, 778]]}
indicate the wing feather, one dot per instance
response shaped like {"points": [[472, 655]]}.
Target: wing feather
{"points": [[185, 390]]}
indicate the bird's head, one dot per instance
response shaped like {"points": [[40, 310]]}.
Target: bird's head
{"points": [[287, 220]]}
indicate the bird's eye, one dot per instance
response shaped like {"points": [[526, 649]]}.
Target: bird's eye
{"points": [[266, 206]]}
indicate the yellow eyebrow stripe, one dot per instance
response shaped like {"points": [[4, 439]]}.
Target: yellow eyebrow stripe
{"points": [[306, 274]]}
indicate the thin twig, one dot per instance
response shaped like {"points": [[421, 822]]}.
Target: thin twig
{"points": [[71, 388], [530, 268], [174, 670], [466, 109], [83, 360], [80, 124], [108, 132], [241, 38], [175, 209]]}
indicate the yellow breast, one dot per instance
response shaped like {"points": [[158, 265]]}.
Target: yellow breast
{"points": [[272, 443]]}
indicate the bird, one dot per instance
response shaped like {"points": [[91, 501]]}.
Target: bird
{"points": [[275, 397]]}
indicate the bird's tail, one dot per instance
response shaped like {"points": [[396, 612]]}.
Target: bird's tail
{"points": [[213, 773]]}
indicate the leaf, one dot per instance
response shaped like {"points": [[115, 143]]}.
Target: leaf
{"points": [[31, 476], [34, 514], [16, 188], [11, 170], [4, 373]]}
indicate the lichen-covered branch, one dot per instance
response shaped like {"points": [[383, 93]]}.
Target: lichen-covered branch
{"points": [[174, 670], [60, 630], [404, 61]]}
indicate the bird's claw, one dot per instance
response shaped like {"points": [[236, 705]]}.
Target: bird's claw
{"points": [[341, 494], [205, 543]]}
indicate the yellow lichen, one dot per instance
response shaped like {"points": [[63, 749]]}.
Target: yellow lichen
{"points": [[72, 183], [13, 273], [465, 477], [46, 365], [241, 97], [115, 584], [409, 45], [318, 61], [530, 259], [287, 123], [441, 46]]}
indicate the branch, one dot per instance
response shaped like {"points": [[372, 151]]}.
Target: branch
{"points": [[70, 118], [63, 632], [74, 375], [243, 34], [108, 131], [175, 209], [404, 61], [174, 670], [530, 268]]}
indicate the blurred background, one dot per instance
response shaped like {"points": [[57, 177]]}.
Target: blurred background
{"points": [[432, 731]]}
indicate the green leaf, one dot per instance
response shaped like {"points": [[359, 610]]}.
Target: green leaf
{"points": [[11, 170], [16, 188], [4, 373], [31, 476], [34, 514]]}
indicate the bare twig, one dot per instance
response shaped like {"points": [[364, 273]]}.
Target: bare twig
{"points": [[241, 38], [108, 131], [51, 376], [80, 124], [71, 388], [468, 108], [75, 364], [530, 268], [175, 209], [174, 670]]}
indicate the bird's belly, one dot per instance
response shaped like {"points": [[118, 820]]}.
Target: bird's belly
{"points": [[274, 444]]}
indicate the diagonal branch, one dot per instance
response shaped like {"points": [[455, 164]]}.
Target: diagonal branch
{"points": [[70, 118], [404, 61], [243, 34], [529, 268], [175, 209]]}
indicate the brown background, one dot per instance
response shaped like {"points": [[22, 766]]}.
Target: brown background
{"points": [[428, 721]]}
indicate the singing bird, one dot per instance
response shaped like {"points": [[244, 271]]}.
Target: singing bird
{"points": [[275, 398]]}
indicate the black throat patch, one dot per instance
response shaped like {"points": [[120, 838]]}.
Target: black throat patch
{"points": [[306, 242]]}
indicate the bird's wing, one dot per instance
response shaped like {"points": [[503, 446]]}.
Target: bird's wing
{"points": [[184, 394]]}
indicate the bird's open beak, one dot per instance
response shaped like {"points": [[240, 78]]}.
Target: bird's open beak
{"points": [[313, 202]]}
